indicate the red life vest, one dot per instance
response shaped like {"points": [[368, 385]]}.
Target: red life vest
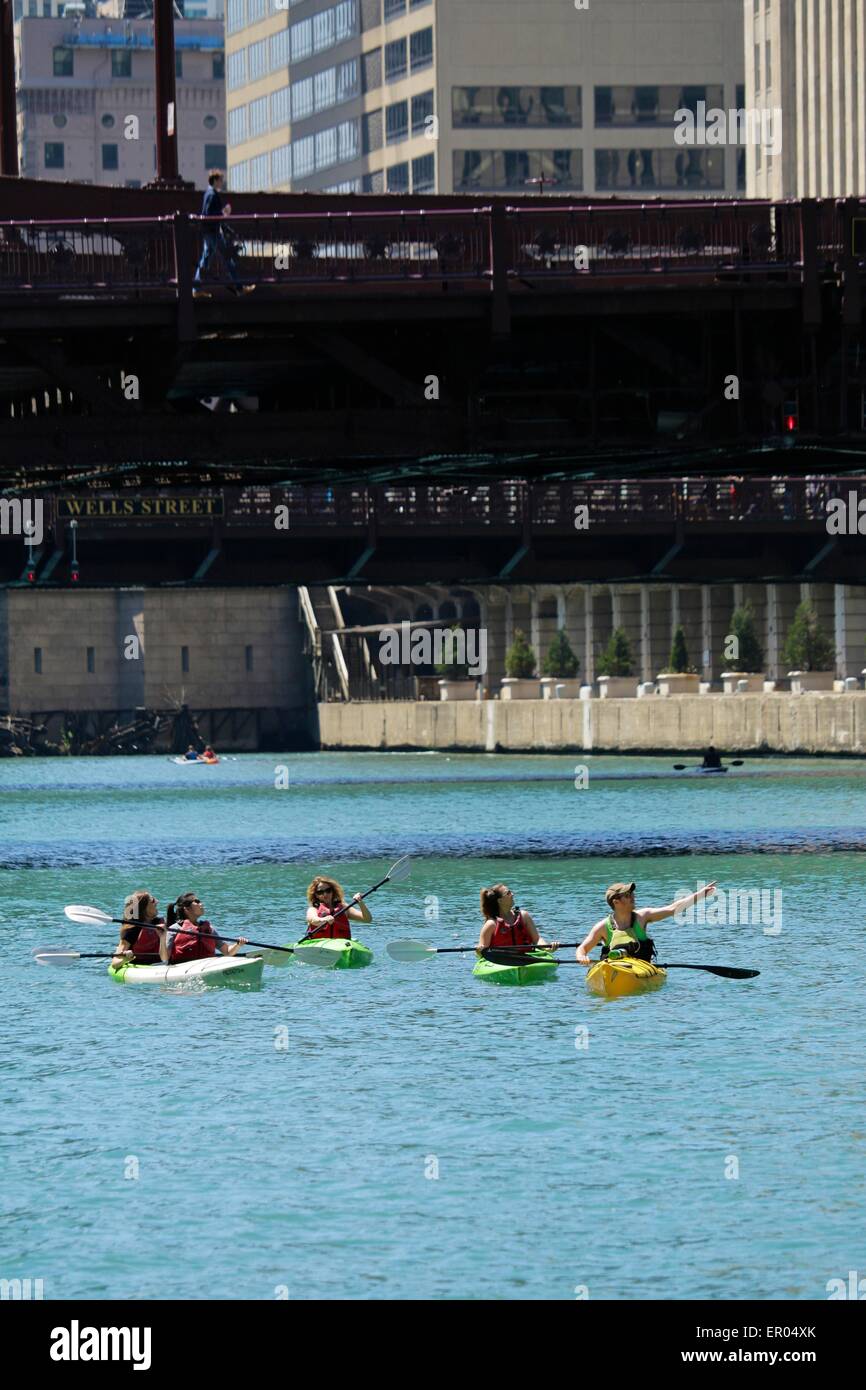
{"points": [[189, 947], [511, 934], [145, 947], [339, 929]]}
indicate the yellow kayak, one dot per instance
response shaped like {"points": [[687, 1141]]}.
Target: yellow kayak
{"points": [[613, 979]]}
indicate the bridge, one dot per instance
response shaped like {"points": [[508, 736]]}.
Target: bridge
{"points": [[536, 334], [662, 530]]}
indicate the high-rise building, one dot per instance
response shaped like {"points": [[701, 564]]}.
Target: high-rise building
{"points": [[806, 69], [480, 95], [86, 99]]}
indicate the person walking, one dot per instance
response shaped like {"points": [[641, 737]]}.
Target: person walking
{"points": [[216, 239]]}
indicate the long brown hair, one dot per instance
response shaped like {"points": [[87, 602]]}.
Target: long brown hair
{"points": [[132, 906], [490, 901], [313, 896]]}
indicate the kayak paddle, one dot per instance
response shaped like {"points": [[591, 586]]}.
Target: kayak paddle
{"points": [[685, 767], [48, 955], [95, 917], [727, 972], [410, 951]]}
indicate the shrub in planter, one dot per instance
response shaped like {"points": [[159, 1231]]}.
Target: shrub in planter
{"points": [[616, 659], [807, 647], [453, 670], [750, 653], [560, 660], [679, 659], [520, 658]]}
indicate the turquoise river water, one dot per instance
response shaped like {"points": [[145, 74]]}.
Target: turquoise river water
{"points": [[408, 1131]]}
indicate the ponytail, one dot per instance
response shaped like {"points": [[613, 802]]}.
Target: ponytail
{"points": [[490, 902], [178, 911]]}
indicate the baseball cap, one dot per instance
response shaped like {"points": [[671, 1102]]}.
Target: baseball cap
{"points": [[618, 890]]}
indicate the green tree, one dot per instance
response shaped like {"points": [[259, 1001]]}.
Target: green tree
{"points": [[560, 660], [616, 659], [807, 647], [750, 653], [520, 658], [453, 670], [679, 662]]}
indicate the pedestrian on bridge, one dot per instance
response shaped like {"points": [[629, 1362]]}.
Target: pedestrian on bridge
{"points": [[217, 239]]}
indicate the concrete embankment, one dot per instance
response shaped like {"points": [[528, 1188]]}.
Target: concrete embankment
{"points": [[776, 723]]}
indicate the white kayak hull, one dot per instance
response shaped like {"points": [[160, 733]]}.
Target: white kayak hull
{"points": [[212, 970]]}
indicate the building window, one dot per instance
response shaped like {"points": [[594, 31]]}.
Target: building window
{"points": [[325, 89], [326, 148], [234, 16], [372, 131], [741, 170], [184, 660], [121, 62], [395, 60], [258, 116], [109, 157], [421, 49], [239, 176], [218, 67], [661, 168], [422, 107], [396, 122], [373, 183], [349, 142], [511, 106], [59, 121], [237, 125], [324, 31], [652, 106], [281, 108], [768, 65], [258, 172], [281, 165], [515, 169], [248, 658], [209, 122], [424, 174], [302, 99], [178, 64], [348, 84], [237, 69], [258, 62], [64, 62], [54, 154], [107, 121], [214, 156], [394, 7], [37, 660], [398, 178], [304, 156], [301, 40], [757, 67], [133, 183], [91, 660], [346, 15], [741, 95], [280, 50], [255, 11]]}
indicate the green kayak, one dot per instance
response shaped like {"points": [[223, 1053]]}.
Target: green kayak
{"points": [[348, 955], [541, 966]]}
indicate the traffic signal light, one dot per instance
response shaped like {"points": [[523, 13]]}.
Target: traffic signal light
{"points": [[73, 575], [792, 417]]}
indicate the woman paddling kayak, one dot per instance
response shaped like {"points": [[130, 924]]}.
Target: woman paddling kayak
{"points": [[141, 945], [324, 918], [184, 945], [505, 924], [624, 930]]}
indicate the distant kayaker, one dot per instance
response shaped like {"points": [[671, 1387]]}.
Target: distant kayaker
{"points": [[324, 918], [505, 924], [187, 946], [624, 930], [191, 754], [141, 945], [711, 758], [209, 756]]}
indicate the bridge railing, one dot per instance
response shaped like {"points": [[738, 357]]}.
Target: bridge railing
{"points": [[93, 254], [409, 246]]}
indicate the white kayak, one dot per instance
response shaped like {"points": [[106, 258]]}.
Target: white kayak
{"points": [[195, 762], [212, 970]]}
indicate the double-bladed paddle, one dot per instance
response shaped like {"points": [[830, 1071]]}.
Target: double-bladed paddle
{"points": [[687, 767], [95, 917], [409, 951]]}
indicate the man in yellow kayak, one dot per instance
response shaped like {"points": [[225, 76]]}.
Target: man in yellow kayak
{"points": [[624, 930]]}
